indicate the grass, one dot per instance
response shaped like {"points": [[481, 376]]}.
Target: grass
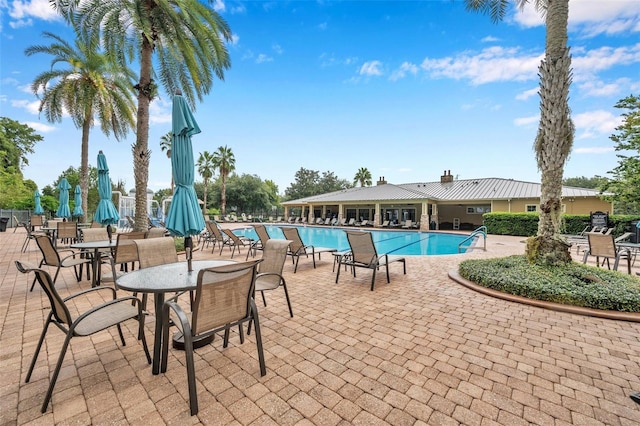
{"points": [[576, 284]]}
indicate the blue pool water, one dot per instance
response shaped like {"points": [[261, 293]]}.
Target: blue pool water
{"points": [[389, 242]]}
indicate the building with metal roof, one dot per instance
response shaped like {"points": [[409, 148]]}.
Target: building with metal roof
{"points": [[447, 204]]}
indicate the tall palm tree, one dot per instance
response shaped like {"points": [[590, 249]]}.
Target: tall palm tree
{"points": [[555, 131], [165, 146], [88, 87], [188, 38], [225, 162], [363, 177], [205, 168]]}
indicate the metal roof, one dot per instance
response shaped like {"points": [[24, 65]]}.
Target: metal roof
{"points": [[483, 189]]}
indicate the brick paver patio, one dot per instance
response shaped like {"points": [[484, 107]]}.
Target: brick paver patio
{"points": [[421, 350]]}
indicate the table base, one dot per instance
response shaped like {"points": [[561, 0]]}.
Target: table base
{"points": [[178, 341]]}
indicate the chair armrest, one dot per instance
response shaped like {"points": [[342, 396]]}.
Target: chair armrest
{"points": [[135, 301], [183, 320], [98, 288]]}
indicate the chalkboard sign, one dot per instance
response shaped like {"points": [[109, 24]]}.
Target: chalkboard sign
{"points": [[599, 219]]}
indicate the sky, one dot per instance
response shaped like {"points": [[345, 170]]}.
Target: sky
{"points": [[406, 89]]}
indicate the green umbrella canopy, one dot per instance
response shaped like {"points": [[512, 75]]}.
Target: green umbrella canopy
{"points": [[184, 217], [77, 200], [38, 207], [63, 198], [106, 212]]}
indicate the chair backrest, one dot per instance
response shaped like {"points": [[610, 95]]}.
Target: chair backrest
{"points": [[156, 232], [223, 295], [296, 246], [49, 253], [263, 235], [601, 244], [58, 307], [234, 237], [67, 230], [37, 220], [94, 234], [624, 237], [362, 248], [95, 224], [213, 228], [273, 257], [126, 250], [156, 251]]}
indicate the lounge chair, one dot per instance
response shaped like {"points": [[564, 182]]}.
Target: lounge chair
{"points": [[233, 241], [260, 243], [385, 224], [319, 221], [351, 222], [298, 248], [364, 255], [603, 245], [407, 224]]}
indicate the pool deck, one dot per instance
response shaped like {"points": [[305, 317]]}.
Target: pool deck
{"points": [[420, 350]]}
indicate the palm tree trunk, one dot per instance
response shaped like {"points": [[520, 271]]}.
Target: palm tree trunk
{"points": [[223, 195], [141, 153], [204, 207], [555, 136], [84, 166]]}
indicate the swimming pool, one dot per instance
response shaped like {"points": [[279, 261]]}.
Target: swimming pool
{"points": [[390, 242]]}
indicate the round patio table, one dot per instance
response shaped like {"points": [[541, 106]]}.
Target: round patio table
{"points": [[159, 280], [96, 246]]}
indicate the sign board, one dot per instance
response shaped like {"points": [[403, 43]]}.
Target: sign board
{"points": [[599, 219]]}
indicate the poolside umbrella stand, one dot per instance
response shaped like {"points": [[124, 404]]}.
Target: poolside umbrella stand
{"points": [[63, 199], [77, 200], [38, 207], [184, 218], [106, 212]]}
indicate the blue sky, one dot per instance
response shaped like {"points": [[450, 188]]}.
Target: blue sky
{"points": [[407, 89]]}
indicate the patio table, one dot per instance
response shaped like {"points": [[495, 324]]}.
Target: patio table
{"points": [[158, 280], [96, 246]]}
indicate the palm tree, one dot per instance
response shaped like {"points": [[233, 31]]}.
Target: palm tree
{"points": [[555, 130], [188, 38], [205, 168], [88, 87], [363, 176], [225, 162], [165, 145]]}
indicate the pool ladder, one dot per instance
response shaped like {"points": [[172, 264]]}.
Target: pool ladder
{"points": [[479, 231]]}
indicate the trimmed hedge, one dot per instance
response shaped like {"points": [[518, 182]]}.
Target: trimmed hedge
{"points": [[526, 224], [575, 284]]}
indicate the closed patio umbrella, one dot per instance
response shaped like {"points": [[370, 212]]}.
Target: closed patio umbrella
{"points": [[106, 212], [38, 207], [63, 198], [77, 200], [185, 216]]}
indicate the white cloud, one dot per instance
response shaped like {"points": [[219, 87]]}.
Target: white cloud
{"points": [[595, 123], [21, 23], [594, 150], [371, 68], [160, 112], [263, 58], [23, 10], [604, 58], [277, 48], [490, 39], [31, 106], [405, 68], [234, 39], [599, 88], [523, 96], [219, 6], [490, 65], [40, 127], [526, 121], [322, 26]]}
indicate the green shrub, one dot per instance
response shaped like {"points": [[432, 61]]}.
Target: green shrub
{"points": [[575, 284]]}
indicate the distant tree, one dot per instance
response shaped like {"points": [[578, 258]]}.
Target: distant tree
{"points": [[88, 86], [248, 193], [225, 162], [595, 182], [329, 182], [309, 182], [272, 192], [206, 168], [165, 146], [625, 181], [17, 140], [363, 177]]}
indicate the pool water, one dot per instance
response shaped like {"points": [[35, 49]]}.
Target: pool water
{"points": [[387, 242]]}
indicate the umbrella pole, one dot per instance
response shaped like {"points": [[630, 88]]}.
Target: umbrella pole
{"points": [[109, 232], [188, 247]]}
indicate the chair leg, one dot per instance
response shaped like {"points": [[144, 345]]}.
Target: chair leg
{"points": [[286, 295], [263, 299], [191, 374], [373, 278], [56, 372], [121, 335], [254, 309], [37, 352]]}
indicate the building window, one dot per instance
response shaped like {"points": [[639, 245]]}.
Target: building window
{"points": [[478, 209], [564, 208], [532, 208]]}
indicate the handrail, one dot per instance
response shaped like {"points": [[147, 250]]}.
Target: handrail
{"points": [[479, 231]]}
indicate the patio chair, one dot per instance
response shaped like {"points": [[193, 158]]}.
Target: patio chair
{"points": [[269, 275], [364, 255], [603, 245], [156, 232], [124, 254], [108, 314], [154, 252], [31, 235], [96, 234], [263, 237], [67, 232], [16, 224], [51, 257], [223, 298], [233, 241], [36, 220], [298, 248]]}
